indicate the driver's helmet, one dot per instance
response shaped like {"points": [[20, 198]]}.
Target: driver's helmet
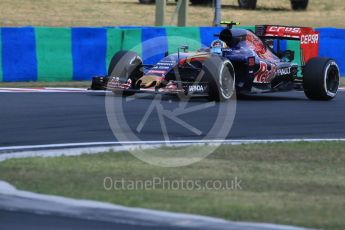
{"points": [[217, 46]]}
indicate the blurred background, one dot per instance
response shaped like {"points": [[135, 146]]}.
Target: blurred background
{"points": [[320, 13]]}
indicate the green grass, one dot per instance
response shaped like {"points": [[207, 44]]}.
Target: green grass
{"points": [[299, 184]]}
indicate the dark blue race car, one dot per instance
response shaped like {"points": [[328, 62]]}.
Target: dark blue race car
{"points": [[239, 61]]}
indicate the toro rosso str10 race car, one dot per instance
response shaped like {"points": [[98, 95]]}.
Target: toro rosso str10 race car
{"points": [[238, 61]]}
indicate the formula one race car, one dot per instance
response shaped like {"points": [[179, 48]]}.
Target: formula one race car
{"points": [[238, 61]]}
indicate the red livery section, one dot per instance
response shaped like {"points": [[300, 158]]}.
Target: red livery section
{"points": [[263, 75], [309, 45], [308, 37]]}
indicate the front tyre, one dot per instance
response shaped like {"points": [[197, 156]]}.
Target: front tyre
{"points": [[220, 75], [321, 79], [126, 65]]}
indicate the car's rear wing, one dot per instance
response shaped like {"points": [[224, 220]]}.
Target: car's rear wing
{"points": [[308, 37]]}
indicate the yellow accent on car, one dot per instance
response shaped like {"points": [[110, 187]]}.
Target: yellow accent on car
{"points": [[230, 23]]}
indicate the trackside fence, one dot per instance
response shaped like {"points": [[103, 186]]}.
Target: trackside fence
{"points": [[65, 54]]}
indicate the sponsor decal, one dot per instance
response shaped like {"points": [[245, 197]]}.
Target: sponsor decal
{"points": [[168, 61], [309, 45], [284, 71], [227, 50], [157, 71], [115, 83], [166, 64], [196, 88], [263, 75], [293, 30], [310, 39], [282, 31], [161, 67]]}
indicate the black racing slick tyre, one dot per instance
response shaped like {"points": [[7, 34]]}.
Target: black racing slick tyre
{"points": [[220, 75], [299, 4], [247, 4], [126, 65], [321, 79]]}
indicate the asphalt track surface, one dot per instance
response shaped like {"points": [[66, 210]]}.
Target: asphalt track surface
{"points": [[54, 118]]}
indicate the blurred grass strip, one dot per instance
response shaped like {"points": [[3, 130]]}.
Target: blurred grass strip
{"points": [[300, 184]]}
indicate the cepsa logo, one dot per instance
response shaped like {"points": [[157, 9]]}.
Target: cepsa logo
{"points": [[293, 30], [310, 39]]}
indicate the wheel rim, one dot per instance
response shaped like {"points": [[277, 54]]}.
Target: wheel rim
{"points": [[227, 83], [332, 80]]}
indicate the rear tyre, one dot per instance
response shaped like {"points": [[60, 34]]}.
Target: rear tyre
{"points": [[126, 65], [220, 75], [299, 4], [321, 79], [247, 4]]}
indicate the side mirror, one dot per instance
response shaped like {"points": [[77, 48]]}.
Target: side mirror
{"points": [[184, 48], [287, 54]]}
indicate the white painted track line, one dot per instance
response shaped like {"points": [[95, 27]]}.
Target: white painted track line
{"points": [[76, 149], [42, 90], [172, 142]]}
